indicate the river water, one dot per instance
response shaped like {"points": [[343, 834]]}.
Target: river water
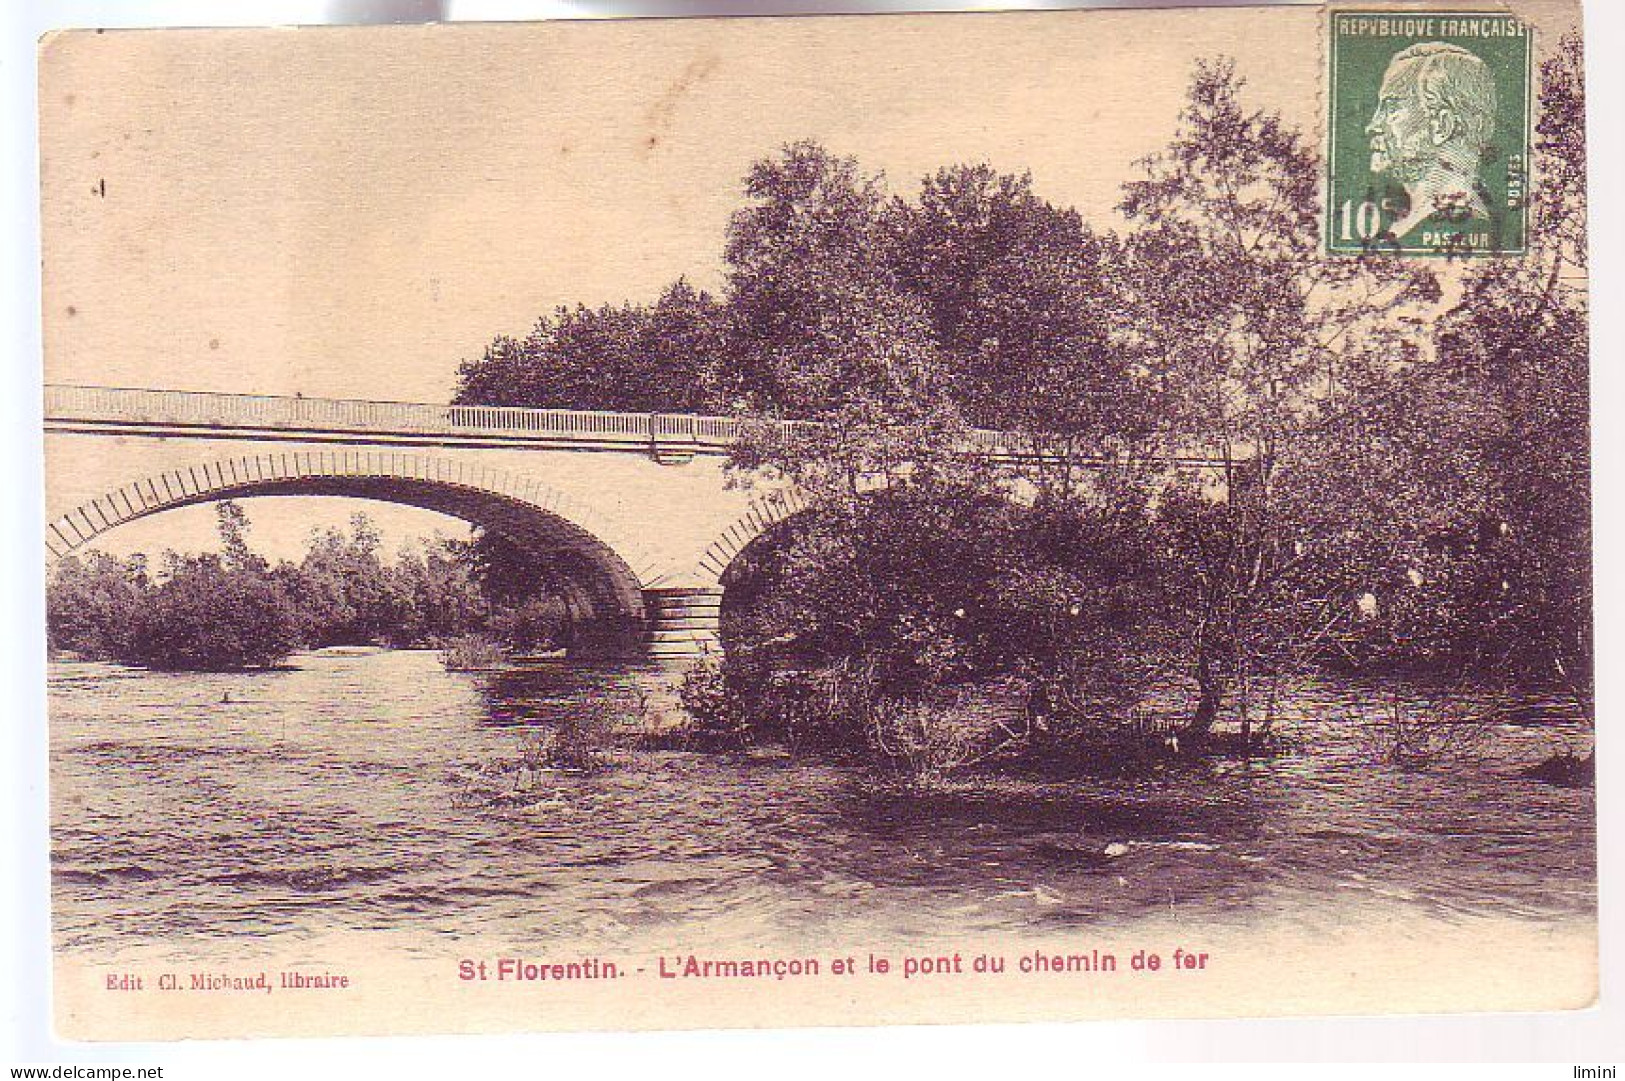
{"points": [[194, 812]]}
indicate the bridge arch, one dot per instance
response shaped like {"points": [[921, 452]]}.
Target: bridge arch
{"points": [[526, 511], [764, 512], [685, 613], [727, 562]]}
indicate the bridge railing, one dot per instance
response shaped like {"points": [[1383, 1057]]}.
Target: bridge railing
{"points": [[202, 409], [262, 412]]}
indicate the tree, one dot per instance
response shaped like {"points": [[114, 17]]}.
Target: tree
{"points": [[349, 596], [1469, 462], [437, 595], [213, 612], [630, 358], [231, 522], [91, 603], [1254, 338], [822, 328], [1028, 313], [540, 600], [816, 318], [1514, 352], [205, 616]]}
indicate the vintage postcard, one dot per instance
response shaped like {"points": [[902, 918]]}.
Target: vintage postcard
{"points": [[808, 521]]}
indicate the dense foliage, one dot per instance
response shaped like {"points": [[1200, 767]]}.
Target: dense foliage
{"points": [[630, 359], [1394, 479], [1252, 459], [832, 622], [232, 609]]}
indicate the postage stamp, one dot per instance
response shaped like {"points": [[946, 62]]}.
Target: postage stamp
{"points": [[1428, 133]]}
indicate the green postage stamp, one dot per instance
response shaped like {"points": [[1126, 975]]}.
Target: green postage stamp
{"points": [[1428, 134]]}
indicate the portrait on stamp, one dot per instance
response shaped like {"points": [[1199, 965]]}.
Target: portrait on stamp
{"points": [[1434, 120]]}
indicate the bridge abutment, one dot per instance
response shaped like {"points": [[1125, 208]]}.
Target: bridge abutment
{"points": [[683, 623]]}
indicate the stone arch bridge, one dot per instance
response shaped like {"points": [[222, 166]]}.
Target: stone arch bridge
{"points": [[636, 507]]}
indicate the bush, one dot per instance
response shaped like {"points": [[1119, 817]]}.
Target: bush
{"points": [[576, 745], [875, 626], [473, 653], [205, 617], [531, 624], [818, 709], [91, 605], [1566, 770], [1433, 731], [926, 742], [716, 709]]}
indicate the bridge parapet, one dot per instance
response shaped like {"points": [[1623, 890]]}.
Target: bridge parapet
{"points": [[668, 437], [81, 407]]}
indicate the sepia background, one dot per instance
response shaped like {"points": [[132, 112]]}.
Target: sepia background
{"points": [[364, 219]]}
